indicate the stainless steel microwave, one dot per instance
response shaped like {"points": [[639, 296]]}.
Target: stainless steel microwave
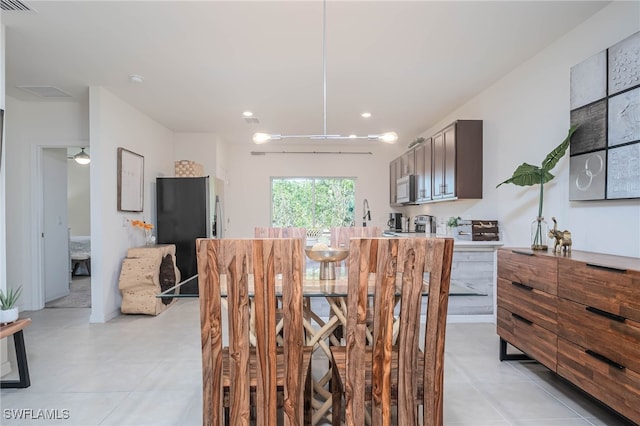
{"points": [[406, 189]]}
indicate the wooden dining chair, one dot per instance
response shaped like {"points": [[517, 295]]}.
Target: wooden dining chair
{"points": [[340, 235], [383, 374], [244, 384]]}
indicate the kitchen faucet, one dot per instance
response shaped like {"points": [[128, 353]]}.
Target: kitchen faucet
{"points": [[366, 214]]}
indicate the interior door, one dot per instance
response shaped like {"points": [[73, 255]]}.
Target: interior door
{"points": [[55, 233]]}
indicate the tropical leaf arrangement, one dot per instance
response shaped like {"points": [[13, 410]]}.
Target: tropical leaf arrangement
{"points": [[529, 175], [9, 299]]}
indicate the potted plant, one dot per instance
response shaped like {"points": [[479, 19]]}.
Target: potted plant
{"points": [[8, 308], [453, 223], [528, 175]]}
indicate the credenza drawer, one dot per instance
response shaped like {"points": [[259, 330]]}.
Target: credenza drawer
{"points": [[615, 386], [609, 335], [539, 272], [528, 302], [537, 342], [610, 289]]}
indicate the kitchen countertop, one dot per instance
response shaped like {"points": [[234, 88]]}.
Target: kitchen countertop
{"points": [[459, 244]]}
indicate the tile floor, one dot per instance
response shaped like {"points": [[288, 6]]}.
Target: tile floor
{"points": [[141, 370]]}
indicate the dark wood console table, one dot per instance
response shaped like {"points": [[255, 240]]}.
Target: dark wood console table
{"points": [[579, 315]]}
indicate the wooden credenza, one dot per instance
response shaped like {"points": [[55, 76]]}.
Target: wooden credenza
{"points": [[579, 315]]}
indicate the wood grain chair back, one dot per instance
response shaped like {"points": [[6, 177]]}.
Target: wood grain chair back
{"points": [[402, 375], [239, 377], [283, 232], [341, 235]]}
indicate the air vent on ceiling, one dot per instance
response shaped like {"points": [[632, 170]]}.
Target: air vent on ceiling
{"points": [[15, 6], [252, 120], [45, 91]]}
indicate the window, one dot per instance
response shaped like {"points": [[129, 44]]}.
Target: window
{"points": [[312, 202]]}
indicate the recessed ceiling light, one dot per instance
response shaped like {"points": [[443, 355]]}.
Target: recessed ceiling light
{"points": [[365, 115], [247, 114], [135, 78]]}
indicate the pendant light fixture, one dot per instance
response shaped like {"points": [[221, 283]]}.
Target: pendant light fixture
{"points": [[260, 138], [82, 158]]}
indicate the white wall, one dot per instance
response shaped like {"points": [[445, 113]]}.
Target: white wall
{"points": [[201, 148], [114, 124], [30, 126], [526, 115], [248, 192], [79, 215]]}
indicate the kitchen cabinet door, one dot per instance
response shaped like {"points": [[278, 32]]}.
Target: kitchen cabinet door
{"points": [[457, 161], [395, 168], [423, 171], [444, 163], [408, 163]]}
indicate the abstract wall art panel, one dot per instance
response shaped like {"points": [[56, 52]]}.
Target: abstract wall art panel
{"points": [[587, 176], [591, 135], [589, 80], [605, 150], [623, 172], [624, 64], [624, 117]]}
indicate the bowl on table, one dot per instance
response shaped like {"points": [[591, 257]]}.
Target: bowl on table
{"points": [[327, 256]]}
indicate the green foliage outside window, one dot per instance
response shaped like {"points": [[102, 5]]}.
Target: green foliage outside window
{"points": [[313, 202]]}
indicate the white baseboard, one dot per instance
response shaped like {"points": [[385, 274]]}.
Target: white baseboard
{"points": [[459, 319]]}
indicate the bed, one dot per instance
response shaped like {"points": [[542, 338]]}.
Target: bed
{"points": [[80, 253]]}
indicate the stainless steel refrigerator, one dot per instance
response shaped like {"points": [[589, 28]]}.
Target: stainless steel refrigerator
{"points": [[183, 216]]}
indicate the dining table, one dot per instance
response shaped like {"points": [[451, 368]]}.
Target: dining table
{"points": [[321, 325]]}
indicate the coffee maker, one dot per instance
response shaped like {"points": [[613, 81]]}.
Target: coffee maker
{"points": [[425, 223], [395, 222]]}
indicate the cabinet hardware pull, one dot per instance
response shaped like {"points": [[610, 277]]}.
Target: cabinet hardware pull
{"points": [[606, 268], [605, 314], [604, 359], [522, 286], [526, 253], [523, 319]]}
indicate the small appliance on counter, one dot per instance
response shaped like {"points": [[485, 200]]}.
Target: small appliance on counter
{"points": [[425, 223], [395, 222]]}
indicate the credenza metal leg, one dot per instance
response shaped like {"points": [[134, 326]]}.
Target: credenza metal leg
{"points": [[504, 356]]}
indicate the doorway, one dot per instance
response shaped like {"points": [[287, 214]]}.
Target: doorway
{"points": [[66, 241]]}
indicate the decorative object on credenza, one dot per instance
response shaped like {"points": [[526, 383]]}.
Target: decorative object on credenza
{"points": [[605, 102], [528, 175], [8, 308], [130, 181], [563, 238]]}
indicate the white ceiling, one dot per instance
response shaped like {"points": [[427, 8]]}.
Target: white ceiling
{"points": [[204, 62]]}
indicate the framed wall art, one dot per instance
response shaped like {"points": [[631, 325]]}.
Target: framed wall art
{"points": [[605, 103], [130, 181]]}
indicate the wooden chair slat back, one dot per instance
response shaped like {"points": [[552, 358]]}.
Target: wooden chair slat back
{"points": [[397, 262], [243, 261], [283, 232], [341, 235]]}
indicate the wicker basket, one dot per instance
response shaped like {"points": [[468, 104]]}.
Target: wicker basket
{"points": [[187, 168]]}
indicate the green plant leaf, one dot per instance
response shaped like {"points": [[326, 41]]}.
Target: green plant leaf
{"points": [[554, 156], [528, 175], [525, 175]]}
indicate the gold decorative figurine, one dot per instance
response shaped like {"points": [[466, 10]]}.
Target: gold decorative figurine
{"points": [[563, 238]]}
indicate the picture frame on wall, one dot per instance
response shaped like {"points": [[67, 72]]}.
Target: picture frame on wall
{"points": [[605, 104], [130, 181]]}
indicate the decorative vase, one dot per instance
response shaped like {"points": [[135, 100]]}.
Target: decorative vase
{"points": [[539, 231], [149, 239], [9, 315]]}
